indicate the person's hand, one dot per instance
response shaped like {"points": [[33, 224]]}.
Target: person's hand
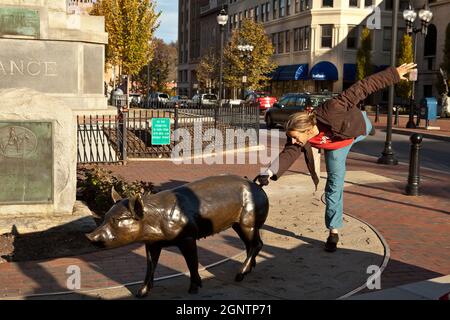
{"points": [[405, 69], [263, 179]]}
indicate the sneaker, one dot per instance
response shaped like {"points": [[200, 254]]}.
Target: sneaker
{"points": [[331, 244], [372, 131]]}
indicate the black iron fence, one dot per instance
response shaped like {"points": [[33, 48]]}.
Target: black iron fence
{"points": [[193, 127]]}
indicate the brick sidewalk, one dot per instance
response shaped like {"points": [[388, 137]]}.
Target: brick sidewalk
{"points": [[417, 229]]}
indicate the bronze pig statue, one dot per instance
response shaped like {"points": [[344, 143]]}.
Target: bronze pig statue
{"points": [[180, 216]]}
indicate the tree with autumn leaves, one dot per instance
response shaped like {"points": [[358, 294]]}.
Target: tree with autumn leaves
{"points": [[256, 68], [405, 55], [130, 25]]}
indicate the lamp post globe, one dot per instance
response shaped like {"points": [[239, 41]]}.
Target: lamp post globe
{"points": [[222, 19]]}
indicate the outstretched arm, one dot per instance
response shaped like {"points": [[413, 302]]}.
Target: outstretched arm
{"points": [[380, 80]]}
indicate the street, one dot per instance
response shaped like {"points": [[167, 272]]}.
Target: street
{"points": [[435, 154]]}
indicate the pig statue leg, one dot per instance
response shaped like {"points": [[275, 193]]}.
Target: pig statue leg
{"points": [[153, 251], [251, 236], [188, 247]]}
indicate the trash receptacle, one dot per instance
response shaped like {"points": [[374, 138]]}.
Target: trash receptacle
{"points": [[118, 99], [428, 109]]}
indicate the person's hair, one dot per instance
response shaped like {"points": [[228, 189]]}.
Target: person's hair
{"points": [[301, 121]]}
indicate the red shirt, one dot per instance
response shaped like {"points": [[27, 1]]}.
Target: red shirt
{"points": [[323, 141]]}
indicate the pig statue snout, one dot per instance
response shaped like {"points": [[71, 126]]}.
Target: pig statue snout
{"points": [[98, 238]]}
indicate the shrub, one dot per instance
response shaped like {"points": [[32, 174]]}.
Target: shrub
{"points": [[94, 186]]}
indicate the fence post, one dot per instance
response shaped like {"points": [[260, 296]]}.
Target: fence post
{"points": [[216, 107], [175, 120], [123, 128], [377, 113], [412, 188]]}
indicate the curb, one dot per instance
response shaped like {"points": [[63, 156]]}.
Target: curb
{"points": [[425, 135], [386, 258]]}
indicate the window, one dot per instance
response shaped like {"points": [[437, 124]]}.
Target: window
{"points": [[327, 35], [427, 90], [354, 3], [281, 42], [274, 8], [245, 14], [327, 3], [304, 5], [301, 38], [252, 13], [352, 37], [288, 7], [387, 38], [267, 10], [240, 19], [256, 13], [263, 11], [296, 39], [388, 5], [404, 4], [274, 42], [306, 41], [297, 6], [282, 8], [288, 41], [430, 41], [368, 3]]}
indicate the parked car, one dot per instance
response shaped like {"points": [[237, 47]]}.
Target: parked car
{"points": [[263, 99], [181, 100], [136, 100], [157, 99], [291, 103], [205, 99]]}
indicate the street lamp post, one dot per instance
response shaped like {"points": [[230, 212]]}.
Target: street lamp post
{"points": [[222, 19], [245, 53], [409, 15], [388, 153]]}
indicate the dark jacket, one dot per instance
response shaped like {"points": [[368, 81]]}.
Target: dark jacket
{"points": [[341, 115]]}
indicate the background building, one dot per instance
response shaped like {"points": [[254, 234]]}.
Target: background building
{"points": [[197, 32], [430, 49], [316, 41]]}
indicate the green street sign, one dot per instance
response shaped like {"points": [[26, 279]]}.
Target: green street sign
{"points": [[160, 131]]}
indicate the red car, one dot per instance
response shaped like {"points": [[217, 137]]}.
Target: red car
{"points": [[264, 100]]}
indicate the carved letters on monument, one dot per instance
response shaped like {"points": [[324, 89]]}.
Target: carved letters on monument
{"points": [[19, 22], [26, 162]]}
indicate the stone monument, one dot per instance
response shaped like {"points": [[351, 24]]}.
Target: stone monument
{"points": [[51, 69], [47, 48]]}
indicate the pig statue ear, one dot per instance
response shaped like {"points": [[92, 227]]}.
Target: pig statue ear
{"points": [[115, 196], [136, 206]]}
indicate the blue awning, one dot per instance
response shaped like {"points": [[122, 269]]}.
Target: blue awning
{"points": [[274, 75], [324, 71], [294, 72], [349, 72]]}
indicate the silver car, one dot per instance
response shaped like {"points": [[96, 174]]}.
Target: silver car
{"points": [[157, 99]]}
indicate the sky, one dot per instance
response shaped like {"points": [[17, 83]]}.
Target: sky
{"points": [[168, 28]]}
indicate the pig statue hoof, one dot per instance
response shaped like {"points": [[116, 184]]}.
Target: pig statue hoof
{"points": [[143, 292], [239, 277]]}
